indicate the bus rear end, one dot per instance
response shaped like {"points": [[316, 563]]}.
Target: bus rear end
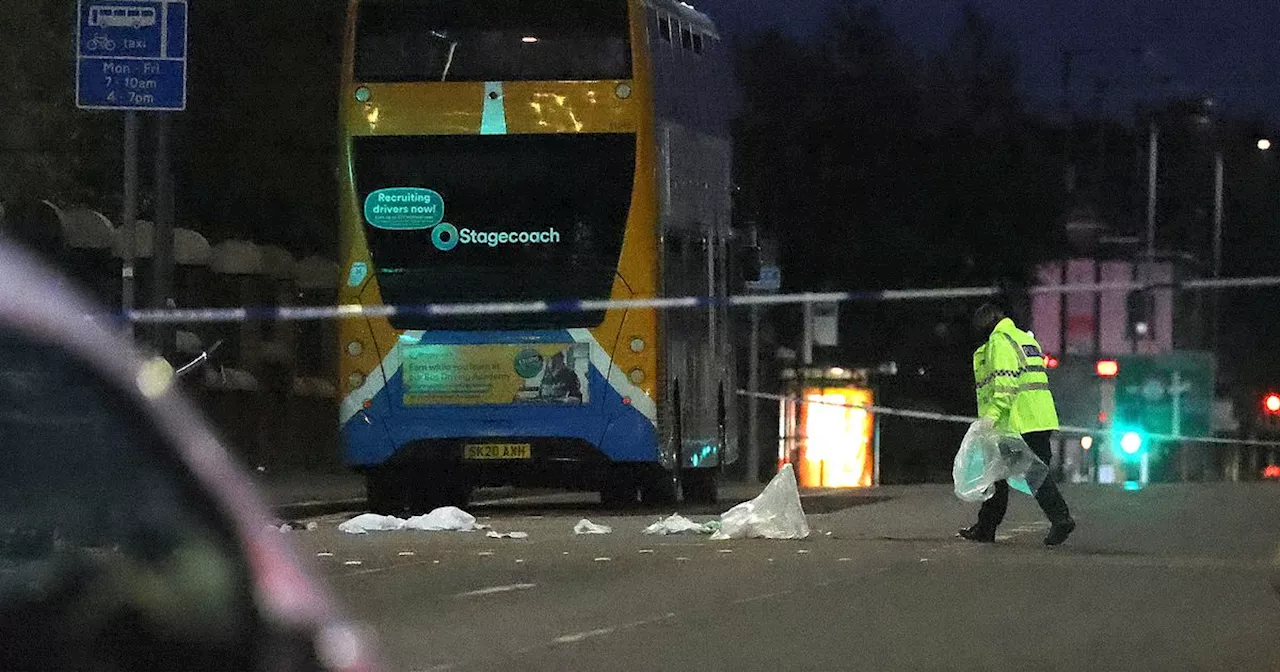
{"points": [[496, 151]]}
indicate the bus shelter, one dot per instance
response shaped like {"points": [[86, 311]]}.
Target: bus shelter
{"points": [[827, 430]]}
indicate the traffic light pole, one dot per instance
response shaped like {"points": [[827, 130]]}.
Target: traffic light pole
{"points": [[1107, 388]]}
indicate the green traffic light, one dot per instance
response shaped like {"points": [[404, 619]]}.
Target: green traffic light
{"points": [[1131, 443]]}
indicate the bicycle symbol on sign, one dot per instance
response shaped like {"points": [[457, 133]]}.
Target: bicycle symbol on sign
{"points": [[101, 42]]}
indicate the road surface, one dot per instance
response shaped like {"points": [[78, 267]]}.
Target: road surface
{"points": [[1172, 577]]}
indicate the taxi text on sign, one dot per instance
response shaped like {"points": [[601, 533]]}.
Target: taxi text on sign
{"points": [[131, 55]]}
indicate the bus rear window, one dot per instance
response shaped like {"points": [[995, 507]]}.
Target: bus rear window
{"points": [[492, 40]]}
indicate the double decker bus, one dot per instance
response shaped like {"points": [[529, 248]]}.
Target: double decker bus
{"points": [[525, 150]]}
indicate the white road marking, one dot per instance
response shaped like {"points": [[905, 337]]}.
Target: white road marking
{"points": [[757, 598], [494, 590], [353, 562], [588, 634], [579, 636]]}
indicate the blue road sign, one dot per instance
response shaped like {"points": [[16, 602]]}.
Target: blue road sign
{"points": [[131, 55]]}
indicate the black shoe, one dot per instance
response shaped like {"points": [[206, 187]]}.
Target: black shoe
{"points": [[1059, 532], [977, 534]]}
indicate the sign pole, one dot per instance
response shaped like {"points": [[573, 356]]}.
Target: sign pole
{"points": [[129, 217], [132, 57], [753, 403], [162, 248]]}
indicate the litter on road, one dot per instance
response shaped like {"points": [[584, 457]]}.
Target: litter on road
{"points": [[443, 519], [371, 522], [775, 514], [585, 526], [678, 524], [507, 535]]}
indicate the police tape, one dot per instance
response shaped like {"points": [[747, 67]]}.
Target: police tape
{"points": [[967, 419], [353, 311]]}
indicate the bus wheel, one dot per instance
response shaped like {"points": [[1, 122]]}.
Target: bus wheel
{"points": [[386, 491], [700, 486], [619, 489], [440, 489], [660, 488]]}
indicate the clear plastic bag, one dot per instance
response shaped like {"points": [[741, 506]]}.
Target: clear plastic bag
{"points": [[774, 514], [988, 455]]}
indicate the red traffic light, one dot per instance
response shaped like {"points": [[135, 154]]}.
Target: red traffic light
{"points": [[1108, 368], [1271, 403], [1050, 362]]}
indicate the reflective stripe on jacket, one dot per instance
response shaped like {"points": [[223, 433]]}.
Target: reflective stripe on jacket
{"points": [[1011, 381]]}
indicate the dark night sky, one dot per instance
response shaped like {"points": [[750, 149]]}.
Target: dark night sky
{"points": [[1227, 49]]}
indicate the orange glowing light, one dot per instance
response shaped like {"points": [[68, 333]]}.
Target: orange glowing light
{"points": [[836, 451]]}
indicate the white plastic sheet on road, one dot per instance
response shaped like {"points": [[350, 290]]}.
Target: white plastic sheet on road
{"points": [[371, 522], [986, 456], [507, 535], [444, 519], [775, 514], [678, 524], [585, 526]]}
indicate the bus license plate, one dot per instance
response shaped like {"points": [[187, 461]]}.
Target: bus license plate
{"points": [[498, 451]]}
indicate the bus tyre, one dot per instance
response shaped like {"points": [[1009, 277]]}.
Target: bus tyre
{"points": [[437, 490], [620, 489], [386, 491], [660, 488], [700, 486]]}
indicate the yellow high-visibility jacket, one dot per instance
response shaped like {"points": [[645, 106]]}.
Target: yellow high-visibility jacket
{"points": [[1011, 381]]}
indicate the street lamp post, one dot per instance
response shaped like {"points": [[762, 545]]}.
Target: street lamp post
{"points": [[1219, 170]]}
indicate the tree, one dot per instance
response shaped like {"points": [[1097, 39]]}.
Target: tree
{"points": [[48, 149]]}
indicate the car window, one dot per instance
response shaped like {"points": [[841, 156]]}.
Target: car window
{"points": [[108, 552]]}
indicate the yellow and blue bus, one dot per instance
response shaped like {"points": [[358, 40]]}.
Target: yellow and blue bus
{"points": [[525, 150]]}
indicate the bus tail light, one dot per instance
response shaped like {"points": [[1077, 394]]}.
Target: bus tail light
{"points": [[355, 348], [636, 376], [355, 379]]}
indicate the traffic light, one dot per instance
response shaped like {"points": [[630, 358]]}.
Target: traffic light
{"points": [[1131, 443], [1269, 418]]}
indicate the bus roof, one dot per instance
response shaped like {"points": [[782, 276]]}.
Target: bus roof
{"points": [[687, 14]]}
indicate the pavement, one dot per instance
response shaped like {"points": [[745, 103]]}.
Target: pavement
{"points": [[1170, 577]]}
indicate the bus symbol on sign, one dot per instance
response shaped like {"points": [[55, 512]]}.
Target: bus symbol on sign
{"points": [[115, 16]]}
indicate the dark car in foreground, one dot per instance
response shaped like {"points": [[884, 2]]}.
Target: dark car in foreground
{"points": [[129, 539]]}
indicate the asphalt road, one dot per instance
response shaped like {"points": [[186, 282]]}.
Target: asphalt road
{"points": [[1167, 578]]}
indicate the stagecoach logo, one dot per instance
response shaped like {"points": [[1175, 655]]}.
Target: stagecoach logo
{"points": [[414, 209]]}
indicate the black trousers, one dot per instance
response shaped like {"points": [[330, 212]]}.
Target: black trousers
{"points": [[1048, 496]]}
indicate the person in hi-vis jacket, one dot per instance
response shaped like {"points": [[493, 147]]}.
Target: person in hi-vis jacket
{"points": [[1013, 396]]}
